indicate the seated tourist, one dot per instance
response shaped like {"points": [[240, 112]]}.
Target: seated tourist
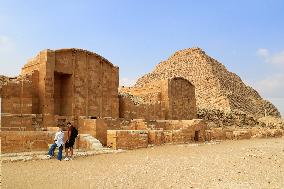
{"points": [[71, 134], [58, 142]]}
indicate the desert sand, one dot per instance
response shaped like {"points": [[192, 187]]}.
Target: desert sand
{"points": [[256, 163]]}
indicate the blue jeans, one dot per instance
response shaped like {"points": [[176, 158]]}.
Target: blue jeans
{"points": [[51, 151]]}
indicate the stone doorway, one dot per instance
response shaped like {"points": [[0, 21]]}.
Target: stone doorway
{"points": [[196, 136], [63, 94]]}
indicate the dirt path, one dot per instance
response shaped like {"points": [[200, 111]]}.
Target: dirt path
{"points": [[257, 163]]}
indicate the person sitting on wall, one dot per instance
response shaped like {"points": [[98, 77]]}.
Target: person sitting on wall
{"points": [[71, 134], [58, 142]]}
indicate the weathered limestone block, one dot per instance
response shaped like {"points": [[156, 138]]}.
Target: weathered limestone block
{"points": [[25, 141], [216, 134], [18, 122], [229, 135], [168, 134], [165, 99], [64, 82], [242, 134], [127, 139], [156, 137], [95, 127], [89, 142], [266, 132]]}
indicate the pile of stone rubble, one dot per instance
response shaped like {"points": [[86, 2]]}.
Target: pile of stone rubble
{"points": [[236, 118]]}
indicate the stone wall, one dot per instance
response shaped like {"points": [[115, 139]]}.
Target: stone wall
{"points": [[129, 109], [18, 102], [167, 99], [181, 131], [76, 82], [156, 137], [95, 127], [98, 127], [17, 95], [158, 133], [18, 122], [63, 83], [27, 141], [127, 139], [232, 133], [181, 100]]}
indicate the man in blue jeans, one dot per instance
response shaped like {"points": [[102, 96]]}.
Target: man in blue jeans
{"points": [[58, 142]]}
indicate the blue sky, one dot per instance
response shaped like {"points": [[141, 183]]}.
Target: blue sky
{"points": [[246, 36]]}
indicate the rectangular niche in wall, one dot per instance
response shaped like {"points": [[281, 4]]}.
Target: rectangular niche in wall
{"points": [[63, 94]]}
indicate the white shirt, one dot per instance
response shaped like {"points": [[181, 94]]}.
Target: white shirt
{"points": [[59, 138]]}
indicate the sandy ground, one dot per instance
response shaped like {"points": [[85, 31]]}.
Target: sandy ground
{"points": [[257, 163]]}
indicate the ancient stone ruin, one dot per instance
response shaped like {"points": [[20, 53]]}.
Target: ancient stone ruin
{"points": [[183, 100], [170, 99], [221, 96]]}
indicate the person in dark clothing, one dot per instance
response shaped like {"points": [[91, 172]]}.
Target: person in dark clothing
{"points": [[71, 137]]}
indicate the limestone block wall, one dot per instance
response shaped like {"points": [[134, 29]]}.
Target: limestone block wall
{"points": [[17, 97], [156, 137], [125, 124], [128, 109], [98, 127], [181, 99], [19, 100], [127, 139], [74, 82], [95, 127], [161, 132], [233, 133], [95, 83], [166, 99], [25, 141], [18, 122], [181, 131]]}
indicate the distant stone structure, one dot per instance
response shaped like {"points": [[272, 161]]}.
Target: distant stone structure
{"points": [[216, 87], [170, 99]]}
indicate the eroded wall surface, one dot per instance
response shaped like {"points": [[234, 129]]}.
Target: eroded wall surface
{"points": [[62, 85], [166, 99], [19, 100]]}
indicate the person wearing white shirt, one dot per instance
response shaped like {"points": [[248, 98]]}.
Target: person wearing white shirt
{"points": [[58, 142]]}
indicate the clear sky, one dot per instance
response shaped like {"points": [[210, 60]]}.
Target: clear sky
{"points": [[247, 36]]}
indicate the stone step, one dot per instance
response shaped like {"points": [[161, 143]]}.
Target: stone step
{"points": [[95, 143]]}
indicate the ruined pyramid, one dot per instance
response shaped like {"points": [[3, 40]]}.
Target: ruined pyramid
{"points": [[216, 87]]}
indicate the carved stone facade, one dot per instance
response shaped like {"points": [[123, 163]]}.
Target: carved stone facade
{"points": [[170, 99], [62, 85]]}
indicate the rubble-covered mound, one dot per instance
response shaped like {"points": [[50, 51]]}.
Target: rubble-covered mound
{"points": [[217, 89], [272, 122], [223, 118], [236, 118]]}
